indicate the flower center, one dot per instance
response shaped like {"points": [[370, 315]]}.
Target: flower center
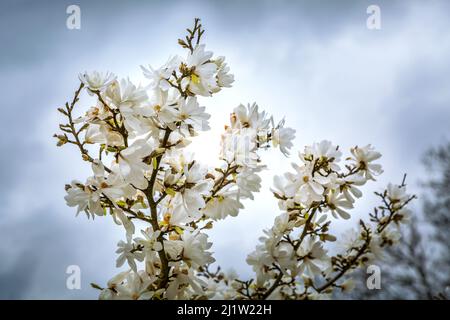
{"points": [[195, 78], [104, 185]]}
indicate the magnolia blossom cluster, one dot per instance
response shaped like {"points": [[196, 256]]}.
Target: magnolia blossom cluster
{"points": [[135, 138], [293, 259]]}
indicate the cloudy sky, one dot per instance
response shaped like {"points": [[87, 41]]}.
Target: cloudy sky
{"points": [[313, 62]]}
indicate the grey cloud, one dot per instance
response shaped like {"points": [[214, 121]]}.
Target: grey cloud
{"points": [[15, 281]]}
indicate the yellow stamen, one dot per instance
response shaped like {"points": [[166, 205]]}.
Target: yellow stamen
{"points": [[195, 78]]}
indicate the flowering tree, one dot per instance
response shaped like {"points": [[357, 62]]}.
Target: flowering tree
{"points": [[135, 139]]}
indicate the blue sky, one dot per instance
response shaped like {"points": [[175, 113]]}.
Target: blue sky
{"points": [[314, 62]]}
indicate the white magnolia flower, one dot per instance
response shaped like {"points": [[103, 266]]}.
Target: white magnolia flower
{"points": [[191, 199], [132, 102], [337, 202], [240, 148], [79, 196], [97, 81], [159, 78], [96, 114], [220, 290], [313, 257], [127, 252], [323, 150], [118, 279], [179, 161], [397, 195], [191, 114], [363, 158], [162, 106], [173, 249], [184, 284], [250, 117], [284, 255], [224, 203], [224, 78], [135, 287], [111, 186], [110, 292], [259, 260], [187, 204], [120, 218], [282, 138], [125, 96], [389, 236], [310, 185], [284, 190], [348, 186], [103, 134], [178, 140], [202, 81], [87, 197], [150, 241], [402, 216], [130, 163], [195, 246], [376, 248], [248, 182], [282, 224], [350, 240]]}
